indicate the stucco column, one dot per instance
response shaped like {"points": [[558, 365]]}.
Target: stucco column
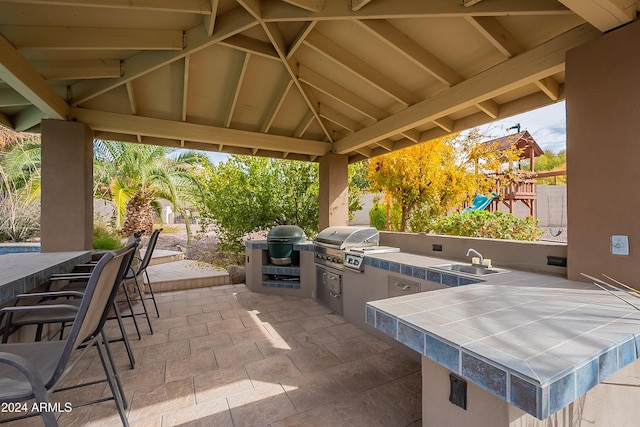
{"points": [[67, 186], [334, 190]]}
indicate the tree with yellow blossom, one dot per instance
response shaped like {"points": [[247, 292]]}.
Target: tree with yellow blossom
{"points": [[438, 176]]}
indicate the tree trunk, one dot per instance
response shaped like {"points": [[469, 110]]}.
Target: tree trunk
{"points": [[138, 215]]}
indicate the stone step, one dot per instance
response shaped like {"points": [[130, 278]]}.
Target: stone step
{"points": [[185, 274], [161, 256]]}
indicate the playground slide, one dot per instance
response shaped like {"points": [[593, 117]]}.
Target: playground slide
{"points": [[480, 202]]}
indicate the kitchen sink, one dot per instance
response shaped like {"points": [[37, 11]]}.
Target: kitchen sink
{"points": [[469, 269]]}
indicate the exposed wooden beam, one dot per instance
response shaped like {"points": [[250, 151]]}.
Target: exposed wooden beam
{"points": [[277, 10], [18, 73], [411, 50], [171, 129], [27, 119], [78, 69], [278, 100], [339, 119], [496, 34], [526, 68], [411, 134], [236, 91], [365, 151], [387, 144], [132, 98], [185, 87], [182, 6], [304, 124], [310, 5], [616, 12], [469, 3], [358, 4], [209, 20], [445, 123], [11, 98], [233, 22], [549, 86], [299, 39], [252, 46], [83, 38], [489, 107], [340, 94], [348, 61]]}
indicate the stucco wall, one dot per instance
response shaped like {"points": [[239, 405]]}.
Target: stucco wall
{"points": [[603, 150]]}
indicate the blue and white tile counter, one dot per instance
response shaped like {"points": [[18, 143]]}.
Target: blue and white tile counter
{"points": [[19, 273], [537, 342]]}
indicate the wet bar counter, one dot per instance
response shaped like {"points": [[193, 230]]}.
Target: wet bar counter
{"points": [[20, 273]]}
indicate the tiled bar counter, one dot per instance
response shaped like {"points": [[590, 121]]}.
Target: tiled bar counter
{"points": [[538, 343]]}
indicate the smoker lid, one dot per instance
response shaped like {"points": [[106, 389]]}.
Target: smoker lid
{"points": [[286, 234], [346, 237]]}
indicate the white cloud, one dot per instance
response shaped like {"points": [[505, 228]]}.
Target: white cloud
{"points": [[547, 125]]}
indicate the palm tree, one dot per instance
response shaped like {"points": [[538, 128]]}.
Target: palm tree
{"points": [[137, 176]]}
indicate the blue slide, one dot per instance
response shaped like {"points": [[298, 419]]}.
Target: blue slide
{"points": [[480, 202]]}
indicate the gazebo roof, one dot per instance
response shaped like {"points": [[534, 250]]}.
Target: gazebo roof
{"points": [[522, 140], [288, 78]]}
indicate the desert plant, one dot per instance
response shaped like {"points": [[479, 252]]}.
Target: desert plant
{"points": [[106, 238]]}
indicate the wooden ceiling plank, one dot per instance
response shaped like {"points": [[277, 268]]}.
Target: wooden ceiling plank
{"points": [[310, 5], [339, 119], [411, 50], [11, 98], [227, 25], [365, 151], [550, 87], [252, 46], [278, 100], [340, 94], [237, 88], [132, 98], [276, 38], [387, 144], [86, 38], [209, 20], [20, 75], [526, 68], [412, 134], [358, 4], [348, 61], [182, 6], [276, 10], [185, 87], [489, 107], [78, 69], [445, 123], [304, 125], [497, 34], [618, 12], [299, 39], [171, 129]]}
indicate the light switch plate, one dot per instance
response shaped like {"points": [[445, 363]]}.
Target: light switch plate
{"points": [[620, 245]]}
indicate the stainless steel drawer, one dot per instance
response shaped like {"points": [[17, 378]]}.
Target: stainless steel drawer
{"points": [[398, 287]]}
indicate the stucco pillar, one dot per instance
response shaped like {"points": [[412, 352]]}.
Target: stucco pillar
{"points": [[334, 190], [67, 186]]}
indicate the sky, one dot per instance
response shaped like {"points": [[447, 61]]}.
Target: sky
{"points": [[547, 125]]}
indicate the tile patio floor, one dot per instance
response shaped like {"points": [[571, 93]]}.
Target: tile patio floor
{"points": [[224, 356]]}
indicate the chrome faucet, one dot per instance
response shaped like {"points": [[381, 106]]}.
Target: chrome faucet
{"points": [[474, 252]]}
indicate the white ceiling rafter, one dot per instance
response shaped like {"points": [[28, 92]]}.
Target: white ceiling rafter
{"points": [[171, 129], [279, 11], [228, 24], [237, 88], [209, 20], [250, 45], [346, 60], [518, 71], [339, 119], [182, 6], [306, 28], [507, 44], [20, 75], [278, 100]]}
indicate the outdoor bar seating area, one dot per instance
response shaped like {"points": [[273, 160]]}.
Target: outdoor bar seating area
{"points": [[68, 299]]}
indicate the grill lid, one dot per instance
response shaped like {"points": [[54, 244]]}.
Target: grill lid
{"points": [[344, 237], [286, 234]]}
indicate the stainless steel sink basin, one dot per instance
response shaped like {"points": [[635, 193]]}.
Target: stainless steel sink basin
{"points": [[469, 269]]}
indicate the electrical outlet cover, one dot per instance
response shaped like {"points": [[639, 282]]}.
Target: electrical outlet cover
{"points": [[620, 245]]}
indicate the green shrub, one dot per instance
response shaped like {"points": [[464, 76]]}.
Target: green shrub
{"points": [[105, 238], [378, 217], [495, 225]]}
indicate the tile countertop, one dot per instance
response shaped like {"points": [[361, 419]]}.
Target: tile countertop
{"points": [[536, 341]]}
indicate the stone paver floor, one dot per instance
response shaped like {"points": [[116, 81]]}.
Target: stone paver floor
{"points": [[225, 356]]}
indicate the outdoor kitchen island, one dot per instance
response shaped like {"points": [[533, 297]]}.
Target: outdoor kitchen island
{"points": [[516, 348]]}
